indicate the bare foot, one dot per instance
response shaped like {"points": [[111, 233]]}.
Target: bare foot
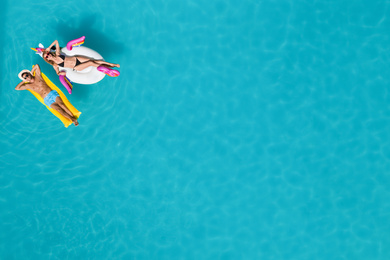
{"points": [[75, 122]]}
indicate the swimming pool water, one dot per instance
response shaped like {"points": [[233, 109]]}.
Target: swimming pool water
{"points": [[237, 130]]}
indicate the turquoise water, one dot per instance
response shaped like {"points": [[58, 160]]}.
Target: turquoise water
{"points": [[237, 130]]}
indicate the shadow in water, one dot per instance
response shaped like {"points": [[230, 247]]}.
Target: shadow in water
{"points": [[81, 91], [94, 39]]}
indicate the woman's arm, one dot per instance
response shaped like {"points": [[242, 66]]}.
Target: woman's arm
{"points": [[55, 67], [57, 47]]}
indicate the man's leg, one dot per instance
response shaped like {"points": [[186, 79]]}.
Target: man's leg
{"points": [[58, 108], [63, 106]]}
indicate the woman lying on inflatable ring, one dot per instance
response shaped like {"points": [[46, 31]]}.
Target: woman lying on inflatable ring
{"points": [[77, 62]]}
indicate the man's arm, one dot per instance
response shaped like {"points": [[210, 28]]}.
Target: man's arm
{"points": [[22, 85], [36, 69]]}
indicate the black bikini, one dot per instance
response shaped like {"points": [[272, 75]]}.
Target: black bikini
{"points": [[77, 62], [63, 61]]}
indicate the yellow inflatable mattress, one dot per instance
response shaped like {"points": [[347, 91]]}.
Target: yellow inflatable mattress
{"points": [[75, 112]]}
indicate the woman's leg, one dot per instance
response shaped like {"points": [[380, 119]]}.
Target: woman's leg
{"points": [[87, 64], [102, 62]]}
